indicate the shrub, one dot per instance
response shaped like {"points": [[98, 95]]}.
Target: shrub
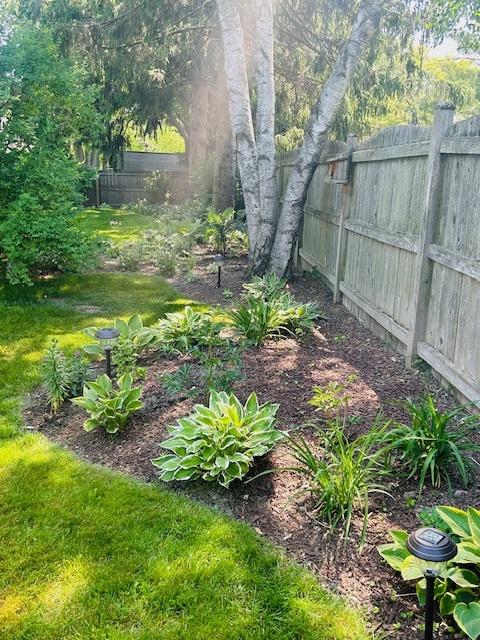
{"points": [[182, 330], [343, 474], [125, 358], [62, 376], [130, 255], [219, 442], [109, 407], [435, 442], [458, 585]]}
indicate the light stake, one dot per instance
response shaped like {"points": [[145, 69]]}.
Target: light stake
{"points": [[219, 260], [435, 547], [107, 338]]}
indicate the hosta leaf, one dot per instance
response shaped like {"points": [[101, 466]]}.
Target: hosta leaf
{"points": [[168, 476], [456, 519], [399, 536], [412, 568], [467, 616], [234, 470], [93, 349], [134, 405], [251, 406], [167, 463], [90, 424], [447, 604], [474, 523], [467, 553], [394, 555], [463, 577], [221, 462], [465, 595], [190, 461], [122, 327], [135, 323], [184, 474]]}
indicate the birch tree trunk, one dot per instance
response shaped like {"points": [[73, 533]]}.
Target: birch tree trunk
{"points": [[241, 114], [322, 117], [223, 193], [265, 133]]}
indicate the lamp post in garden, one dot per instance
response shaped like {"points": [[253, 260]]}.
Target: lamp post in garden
{"points": [[107, 338], [434, 547], [219, 260]]}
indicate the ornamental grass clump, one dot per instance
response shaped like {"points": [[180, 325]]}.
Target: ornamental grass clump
{"points": [[219, 442], [435, 443]]}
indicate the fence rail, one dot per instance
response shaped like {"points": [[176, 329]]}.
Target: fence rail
{"points": [[399, 243]]}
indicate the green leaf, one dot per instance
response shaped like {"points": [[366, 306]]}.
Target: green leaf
{"points": [[399, 536], [467, 616], [474, 523], [447, 604], [467, 553], [456, 519], [394, 555], [463, 577], [412, 568]]}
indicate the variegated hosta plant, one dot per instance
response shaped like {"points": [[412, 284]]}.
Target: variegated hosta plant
{"points": [[219, 442], [109, 406], [458, 586], [131, 330]]}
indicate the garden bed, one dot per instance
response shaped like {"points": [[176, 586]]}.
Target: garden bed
{"points": [[284, 372]]}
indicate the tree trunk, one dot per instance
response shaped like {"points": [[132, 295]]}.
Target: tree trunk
{"points": [[322, 117], [240, 113], [265, 133], [198, 125], [223, 195]]}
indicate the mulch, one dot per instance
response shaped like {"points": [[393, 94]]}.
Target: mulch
{"points": [[285, 371]]}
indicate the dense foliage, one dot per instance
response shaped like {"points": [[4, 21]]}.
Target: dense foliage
{"points": [[44, 109], [458, 585], [219, 442]]}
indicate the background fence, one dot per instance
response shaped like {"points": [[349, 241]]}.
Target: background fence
{"points": [[393, 224]]}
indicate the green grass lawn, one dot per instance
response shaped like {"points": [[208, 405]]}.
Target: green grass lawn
{"points": [[114, 224], [89, 554]]}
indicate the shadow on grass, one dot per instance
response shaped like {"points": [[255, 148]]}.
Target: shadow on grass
{"points": [[90, 554]]}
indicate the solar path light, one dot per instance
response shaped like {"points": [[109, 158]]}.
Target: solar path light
{"points": [[219, 260], [107, 338], [434, 547]]}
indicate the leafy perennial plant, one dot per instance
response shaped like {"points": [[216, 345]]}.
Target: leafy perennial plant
{"points": [[219, 442]]}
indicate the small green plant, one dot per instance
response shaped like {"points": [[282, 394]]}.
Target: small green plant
{"points": [[219, 442], [62, 376], [341, 474], [268, 287], [227, 294], [55, 376], [339, 339], [429, 517], [181, 382], [182, 330], [333, 397], [435, 442], [125, 358], [458, 585], [257, 319], [219, 223], [109, 406], [131, 331]]}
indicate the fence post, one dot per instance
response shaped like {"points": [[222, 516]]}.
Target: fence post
{"points": [[97, 190], [346, 190], [422, 276]]}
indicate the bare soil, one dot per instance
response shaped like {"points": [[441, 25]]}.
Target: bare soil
{"points": [[285, 371]]}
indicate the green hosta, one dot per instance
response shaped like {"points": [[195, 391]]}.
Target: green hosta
{"points": [[182, 330], [131, 330], [458, 585], [219, 442], [109, 406], [268, 287]]}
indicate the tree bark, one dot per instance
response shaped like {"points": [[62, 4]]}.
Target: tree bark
{"points": [[241, 114], [265, 133], [223, 195], [198, 125], [322, 117]]}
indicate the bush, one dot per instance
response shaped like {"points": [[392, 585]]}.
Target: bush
{"points": [[40, 183], [219, 224], [109, 407], [130, 256], [219, 442], [435, 442], [268, 287], [343, 474], [458, 585]]}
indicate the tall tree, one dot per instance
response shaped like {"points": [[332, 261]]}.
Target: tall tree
{"points": [[271, 242]]}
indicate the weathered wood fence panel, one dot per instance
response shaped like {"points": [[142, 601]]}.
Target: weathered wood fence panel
{"points": [[400, 242]]}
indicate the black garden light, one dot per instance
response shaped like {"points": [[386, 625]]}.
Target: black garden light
{"points": [[107, 338], [219, 260], [434, 547]]}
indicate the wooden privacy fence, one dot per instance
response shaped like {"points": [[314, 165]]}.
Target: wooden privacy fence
{"points": [[393, 224], [116, 189]]}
